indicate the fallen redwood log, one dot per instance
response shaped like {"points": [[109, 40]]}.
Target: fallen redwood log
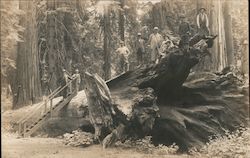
{"points": [[157, 102]]}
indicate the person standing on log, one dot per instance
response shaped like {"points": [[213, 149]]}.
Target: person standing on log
{"points": [[45, 83], [78, 80], [155, 41], [202, 22], [67, 79], [124, 53], [140, 47], [184, 32]]}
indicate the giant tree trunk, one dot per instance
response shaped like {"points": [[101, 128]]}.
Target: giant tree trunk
{"points": [[218, 25], [228, 33], [213, 24], [121, 21], [28, 88], [51, 29], [245, 58], [222, 62], [107, 54]]}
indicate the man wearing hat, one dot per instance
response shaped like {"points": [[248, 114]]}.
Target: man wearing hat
{"points": [[78, 79], [184, 32], [140, 47], [67, 79], [202, 22], [155, 40], [124, 52]]}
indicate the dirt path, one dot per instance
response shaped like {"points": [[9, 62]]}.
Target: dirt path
{"points": [[13, 147]]}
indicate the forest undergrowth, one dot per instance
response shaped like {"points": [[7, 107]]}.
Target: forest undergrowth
{"points": [[235, 144]]}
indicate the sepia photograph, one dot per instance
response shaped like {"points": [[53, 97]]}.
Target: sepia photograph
{"points": [[125, 79]]}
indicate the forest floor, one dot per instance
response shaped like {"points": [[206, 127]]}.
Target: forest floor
{"points": [[41, 147], [14, 147], [37, 147], [235, 145]]}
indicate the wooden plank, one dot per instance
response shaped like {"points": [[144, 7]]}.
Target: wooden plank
{"points": [[45, 107], [51, 107], [66, 101], [35, 127], [26, 117], [24, 129], [29, 114], [57, 107], [20, 127]]}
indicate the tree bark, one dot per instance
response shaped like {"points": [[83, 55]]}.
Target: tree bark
{"points": [[100, 105], [106, 39], [245, 58], [20, 98], [51, 26], [222, 46], [219, 54], [228, 33], [213, 24], [35, 76], [28, 90], [121, 21]]}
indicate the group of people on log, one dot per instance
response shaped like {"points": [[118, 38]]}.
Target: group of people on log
{"points": [[101, 108], [159, 46]]}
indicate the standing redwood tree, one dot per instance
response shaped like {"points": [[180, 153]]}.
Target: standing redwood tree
{"points": [[28, 87], [217, 26], [106, 32], [51, 26], [228, 32], [121, 20]]}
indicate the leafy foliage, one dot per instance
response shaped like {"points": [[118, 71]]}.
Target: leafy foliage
{"points": [[234, 144], [10, 35]]}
